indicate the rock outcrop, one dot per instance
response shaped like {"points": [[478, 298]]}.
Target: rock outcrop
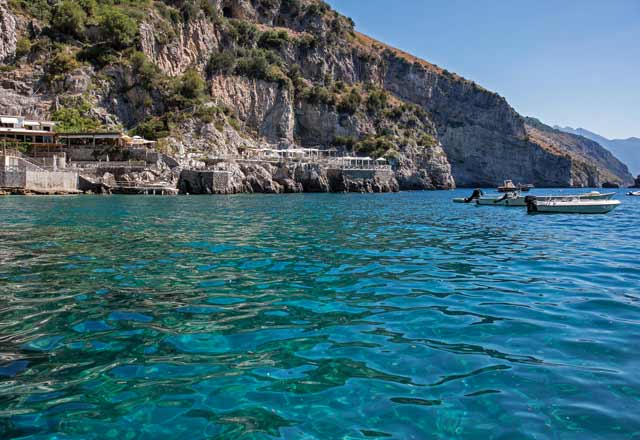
{"points": [[232, 178], [8, 36], [190, 46], [263, 106]]}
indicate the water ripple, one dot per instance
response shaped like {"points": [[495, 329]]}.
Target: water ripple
{"points": [[316, 317]]}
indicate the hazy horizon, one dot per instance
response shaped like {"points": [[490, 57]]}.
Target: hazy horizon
{"points": [[570, 64]]}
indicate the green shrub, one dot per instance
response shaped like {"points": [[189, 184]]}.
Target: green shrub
{"points": [[350, 103], [23, 47], [191, 85], [243, 32], [145, 70], [275, 74], [308, 41], [168, 12], [261, 64], [316, 9], [221, 62], [62, 63], [88, 6], [273, 39], [40, 9], [191, 9], [152, 129], [98, 54], [395, 113], [427, 140], [377, 101], [75, 116], [344, 141], [319, 95], [118, 29], [254, 65], [339, 87], [375, 146], [164, 32], [69, 18], [234, 123], [206, 113]]}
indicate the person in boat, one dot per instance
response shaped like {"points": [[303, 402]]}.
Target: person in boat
{"points": [[477, 193]]}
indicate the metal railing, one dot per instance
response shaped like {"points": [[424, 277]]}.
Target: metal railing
{"points": [[111, 164]]}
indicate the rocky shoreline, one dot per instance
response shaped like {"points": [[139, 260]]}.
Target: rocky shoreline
{"points": [[232, 178]]}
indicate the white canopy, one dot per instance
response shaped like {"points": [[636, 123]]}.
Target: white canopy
{"points": [[31, 123], [4, 120]]}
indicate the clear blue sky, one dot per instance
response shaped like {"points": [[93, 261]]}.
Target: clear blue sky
{"points": [[567, 62]]}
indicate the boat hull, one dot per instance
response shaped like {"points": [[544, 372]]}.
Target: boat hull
{"points": [[573, 207], [520, 200], [499, 201]]}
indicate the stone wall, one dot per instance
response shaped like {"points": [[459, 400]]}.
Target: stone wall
{"points": [[369, 181], [51, 181], [12, 179], [204, 182]]}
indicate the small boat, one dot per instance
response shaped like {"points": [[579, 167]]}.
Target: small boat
{"points": [[477, 193], [576, 206], [633, 193], [515, 199], [507, 186]]}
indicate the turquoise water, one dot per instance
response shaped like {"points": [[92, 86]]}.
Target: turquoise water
{"points": [[316, 317]]}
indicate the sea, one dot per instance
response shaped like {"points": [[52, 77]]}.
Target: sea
{"points": [[317, 316]]}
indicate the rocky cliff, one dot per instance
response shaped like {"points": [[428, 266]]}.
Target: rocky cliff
{"points": [[216, 78], [593, 164]]}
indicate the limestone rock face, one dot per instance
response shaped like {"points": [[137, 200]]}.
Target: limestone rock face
{"points": [[190, 46], [483, 137], [265, 107], [426, 169], [8, 35]]}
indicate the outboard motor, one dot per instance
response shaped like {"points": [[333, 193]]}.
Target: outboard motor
{"points": [[530, 202], [477, 193]]}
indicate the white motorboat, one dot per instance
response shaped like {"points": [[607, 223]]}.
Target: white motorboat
{"points": [[576, 206], [507, 187], [633, 193], [515, 199]]}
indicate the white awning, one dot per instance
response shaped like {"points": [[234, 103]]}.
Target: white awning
{"points": [[30, 123], [9, 120]]}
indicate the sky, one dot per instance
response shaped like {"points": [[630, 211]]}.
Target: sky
{"points": [[569, 62]]}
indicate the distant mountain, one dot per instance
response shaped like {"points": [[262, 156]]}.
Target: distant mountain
{"points": [[593, 165], [627, 150]]}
